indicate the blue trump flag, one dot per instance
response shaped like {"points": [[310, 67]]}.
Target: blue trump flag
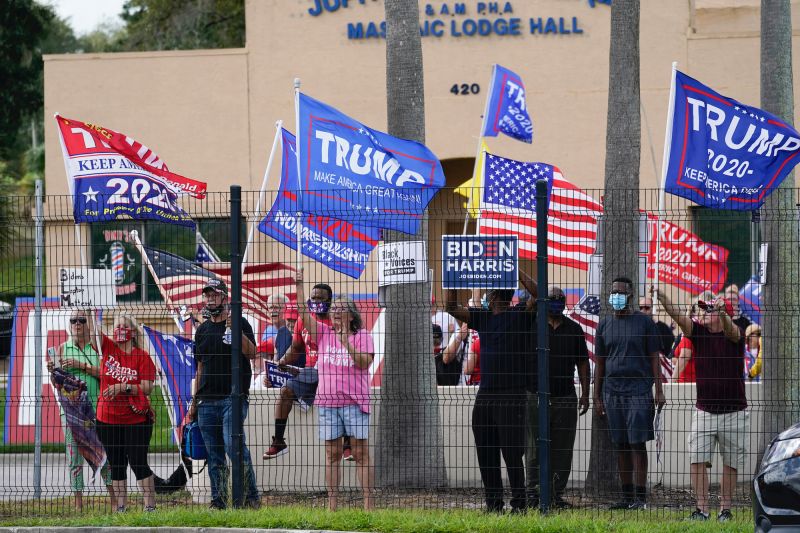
{"points": [[354, 173], [338, 244], [750, 300], [176, 358], [506, 110], [722, 153]]}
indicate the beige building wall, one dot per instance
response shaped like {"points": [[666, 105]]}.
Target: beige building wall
{"points": [[211, 114]]}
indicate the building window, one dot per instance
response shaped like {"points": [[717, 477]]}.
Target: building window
{"points": [[113, 248]]}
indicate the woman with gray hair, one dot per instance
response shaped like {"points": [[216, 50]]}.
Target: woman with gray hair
{"points": [[345, 352]]}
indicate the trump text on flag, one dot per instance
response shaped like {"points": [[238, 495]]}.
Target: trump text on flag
{"points": [[478, 262], [722, 153]]}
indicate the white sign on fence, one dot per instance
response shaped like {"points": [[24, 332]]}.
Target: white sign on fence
{"points": [[402, 262], [86, 287]]}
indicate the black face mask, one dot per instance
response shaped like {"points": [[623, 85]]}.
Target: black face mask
{"points": [[213, 311]]}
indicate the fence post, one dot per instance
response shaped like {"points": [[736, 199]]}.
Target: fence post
{"points": [[37, 324], [237, 429], [543, 347]]}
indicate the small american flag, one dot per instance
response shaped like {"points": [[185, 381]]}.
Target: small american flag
{"points": [[508, 207], [205, 253], [587, 313], [183, 281]]}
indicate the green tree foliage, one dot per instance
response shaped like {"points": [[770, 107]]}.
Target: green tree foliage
{"points": [[170, 25]]}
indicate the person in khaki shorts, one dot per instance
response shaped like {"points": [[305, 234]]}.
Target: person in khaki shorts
{"points": [[720, 414]]}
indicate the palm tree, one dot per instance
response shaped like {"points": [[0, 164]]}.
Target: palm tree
{"points": [[621, 199], [409, 445], [781, 319]]}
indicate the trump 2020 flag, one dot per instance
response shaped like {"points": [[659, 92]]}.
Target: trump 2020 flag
{"points": [[354, 173], [722, 153], [337, 244], [175, 356], [113, 176], [506, 109]]}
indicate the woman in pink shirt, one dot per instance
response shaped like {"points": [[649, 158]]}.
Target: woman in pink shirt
{"points": [[344, 354]]}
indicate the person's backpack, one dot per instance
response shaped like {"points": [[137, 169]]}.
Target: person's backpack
{"points": [[193, 445]]}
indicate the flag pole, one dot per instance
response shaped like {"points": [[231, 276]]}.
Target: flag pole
{"points": [[478, 154], [134, 235], [254, 220], [299, 254], [664, 169], [71, 185]]}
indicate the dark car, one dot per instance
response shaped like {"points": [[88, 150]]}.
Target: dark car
{"points": [[776, 487]]}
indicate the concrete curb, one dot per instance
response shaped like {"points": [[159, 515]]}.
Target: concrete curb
{"points": [[156, 529]]}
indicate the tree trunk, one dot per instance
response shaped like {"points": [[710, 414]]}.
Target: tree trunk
{"points": [[408, 450], [621, 202], [781, 376]]}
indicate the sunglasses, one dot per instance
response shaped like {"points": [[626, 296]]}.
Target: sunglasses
{"points": [[645, 307], [79, 320]]}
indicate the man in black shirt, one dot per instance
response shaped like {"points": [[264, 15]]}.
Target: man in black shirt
{"points": [[665, 335], [508, 363], [211, 404], [567, 351]]}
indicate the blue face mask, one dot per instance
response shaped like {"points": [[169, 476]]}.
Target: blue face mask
{"points": [[618, 301], [556, 307]]}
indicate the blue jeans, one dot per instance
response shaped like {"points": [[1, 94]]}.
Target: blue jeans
{"points": [[214, 419]]}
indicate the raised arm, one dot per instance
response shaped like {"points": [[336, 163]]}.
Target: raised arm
{"points": [[452, 347], [683, 321], [732, 331], [532, 287], [302, 308], [454, 308]]}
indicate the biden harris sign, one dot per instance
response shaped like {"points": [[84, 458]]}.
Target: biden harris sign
{"points": [[724, 154], [480, 262], [351, 172]]}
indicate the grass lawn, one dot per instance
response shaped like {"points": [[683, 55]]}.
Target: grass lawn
{"points": [[397, 521], [161, 441]]}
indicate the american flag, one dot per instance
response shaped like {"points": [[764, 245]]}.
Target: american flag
{"points": [[508, 207], [205, 253], [587, 313], [183, 281]]}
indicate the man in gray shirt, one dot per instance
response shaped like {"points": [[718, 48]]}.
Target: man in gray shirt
{"points": [[627, 366]]}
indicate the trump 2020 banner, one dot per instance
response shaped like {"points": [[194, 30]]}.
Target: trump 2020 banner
{"points": [[354, 173], [335, 243], [684, 260], [506, 109], [722, 153], [114, 176], [478, 262]]}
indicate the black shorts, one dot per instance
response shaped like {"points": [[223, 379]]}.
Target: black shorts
{"points": [[630, 417]]}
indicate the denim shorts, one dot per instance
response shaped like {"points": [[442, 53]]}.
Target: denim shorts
{"points": [[335, 422], [304, 385], [630, 417]]}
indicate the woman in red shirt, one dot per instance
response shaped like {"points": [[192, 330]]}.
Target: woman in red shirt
{"points": [[124, 417]]}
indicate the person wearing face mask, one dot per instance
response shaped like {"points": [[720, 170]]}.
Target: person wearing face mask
{"points": [[301, 359], [78, 357], [627, 366], [124, 416], [508, 369], [567, 352], [212, 401], [344, 354]]}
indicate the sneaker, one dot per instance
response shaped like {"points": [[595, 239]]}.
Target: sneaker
{"points": [[620, 505], [637, 505], [725, 515], [347, 455], [149, 508], [216, 505], [560, 503], [253, 503], [277, 449], [519, 510], [121, 509], [303, 405], [699, 515]]}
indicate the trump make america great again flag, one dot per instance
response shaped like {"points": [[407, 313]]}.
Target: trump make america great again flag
{"points": [[351, 172], [722, 153], [508, 208], [506, 109]]}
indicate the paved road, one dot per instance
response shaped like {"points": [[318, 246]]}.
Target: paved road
{"points": [[16, 475]]}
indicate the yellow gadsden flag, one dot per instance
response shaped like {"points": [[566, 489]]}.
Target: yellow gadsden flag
{"points": [[473, 187]]}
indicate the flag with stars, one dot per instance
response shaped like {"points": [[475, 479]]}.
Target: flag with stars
{"points": [[508, 207], [337, 244], [721, 153], [205, 253], [183, 281], [363, 176]]}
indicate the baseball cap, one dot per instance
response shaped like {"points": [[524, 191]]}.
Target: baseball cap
{"points": [[216, 285]]}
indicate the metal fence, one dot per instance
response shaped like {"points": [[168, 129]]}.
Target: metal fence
{"points": [[417, 446]]}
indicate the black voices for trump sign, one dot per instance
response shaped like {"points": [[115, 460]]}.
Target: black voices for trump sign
{"points": [[480, 262]]}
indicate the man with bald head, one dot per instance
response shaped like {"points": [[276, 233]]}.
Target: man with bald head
{"points": [[567, 352]]}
